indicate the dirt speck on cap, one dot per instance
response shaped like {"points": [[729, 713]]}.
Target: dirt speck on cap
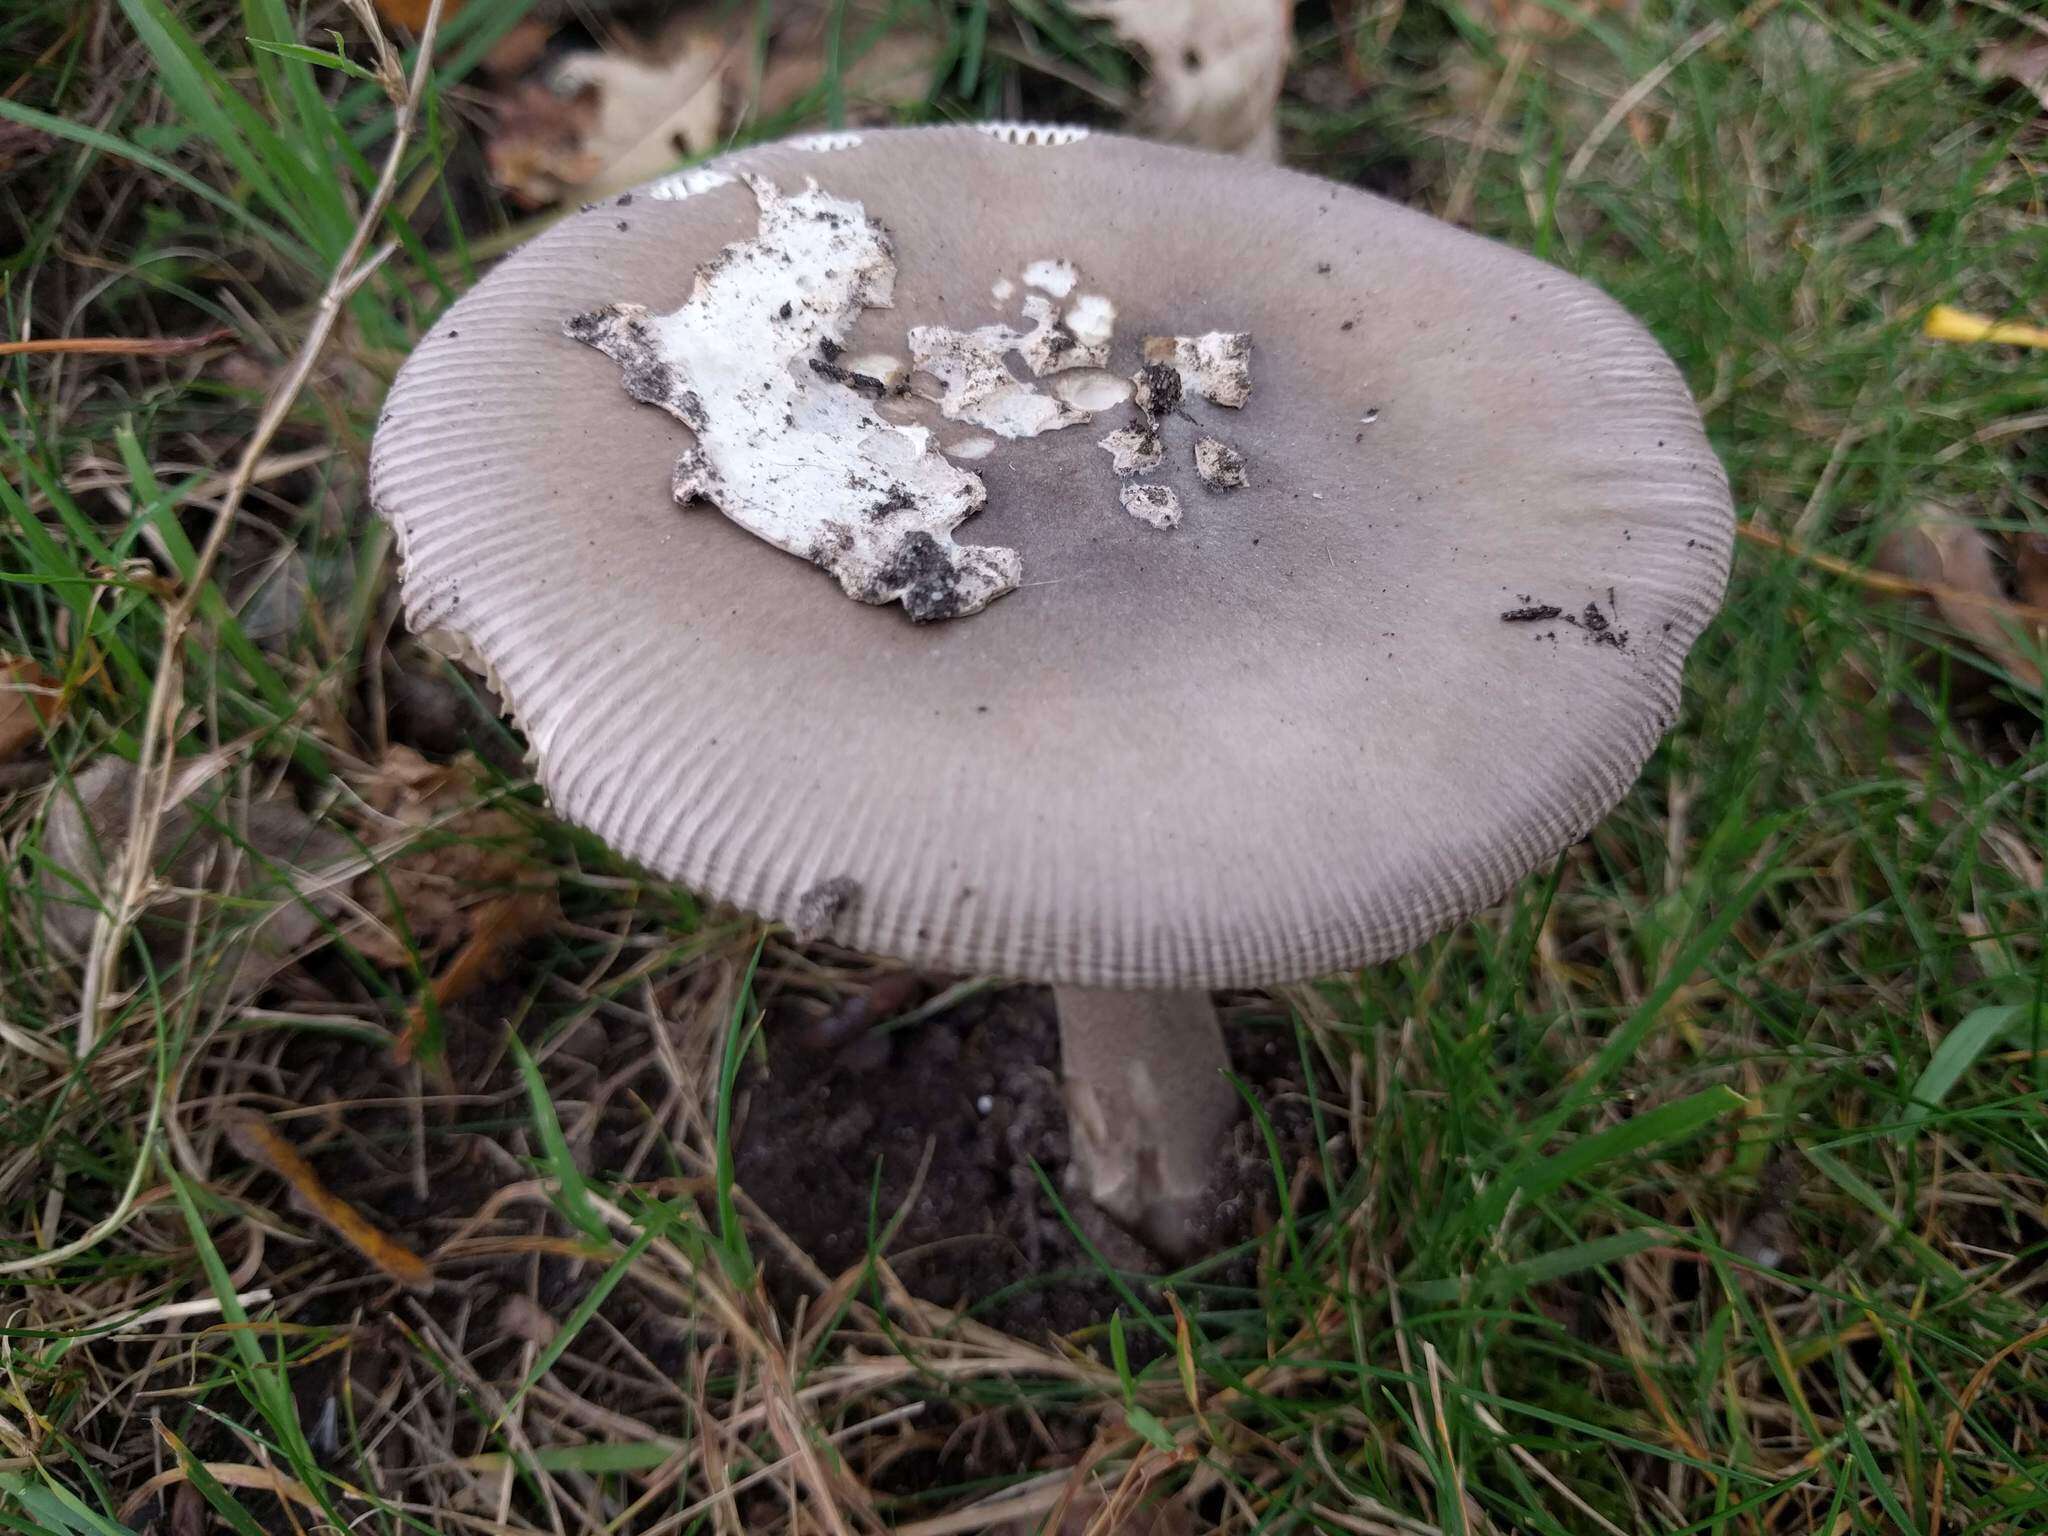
{"points": [[1599, 627], [1156, 389]]}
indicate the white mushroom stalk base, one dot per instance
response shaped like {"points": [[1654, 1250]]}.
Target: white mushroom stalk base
{"points": [[1148, 1108]]}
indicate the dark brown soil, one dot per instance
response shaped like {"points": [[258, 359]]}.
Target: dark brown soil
{"points": [[979, 1090], [835, 1119]]}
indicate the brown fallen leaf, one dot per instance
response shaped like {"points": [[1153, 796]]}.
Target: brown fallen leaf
{"points": [[1090, 1514], [2030, 568], [412, 14], [188, 1512], [651, 112], [274, 861], [1216, 67], [606, 120], [1534, 18], [895, 70], [30, 701], [439, 887], [2022, 60], [1954, 561], [252, 1136], [536, 151], [518, 50]]}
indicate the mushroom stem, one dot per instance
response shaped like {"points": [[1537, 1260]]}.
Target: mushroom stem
{"points": [[1148, 1107]]}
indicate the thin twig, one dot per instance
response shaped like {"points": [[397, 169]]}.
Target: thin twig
{"points": [[129, 871], [1955, 1420], [116, 346], [1885, 581]]}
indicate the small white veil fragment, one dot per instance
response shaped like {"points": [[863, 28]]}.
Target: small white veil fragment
{"points": [[1052, 276], [784, 447], [698, 179], [1154, 504], [1220, 465], [979, 388], [1133, 450]]}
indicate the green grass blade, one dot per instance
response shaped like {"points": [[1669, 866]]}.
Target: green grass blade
{"points": [[1958, 1052], [572, 1190], [1638, 1133]]}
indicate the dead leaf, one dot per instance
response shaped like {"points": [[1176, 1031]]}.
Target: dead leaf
{"points": [[536, 152], [2022, 60], [1216, 67], [252, 1136], [1953, 560], [412, 14], [30, 702], [608, 120], [188, 1512], [1533, 18], [468, 857], [518, 50], [650, 113], [1945, 322], [1090, 1514], [2030, 568], [893, 71], [267, 854]]}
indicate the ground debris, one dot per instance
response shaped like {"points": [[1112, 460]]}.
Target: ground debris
{"points": [[253, 1136], [454, 862], [30, 702], [1156, 389], [1216, 67], [283, 872], [823, 905], [497, 927], [1956, 564]]}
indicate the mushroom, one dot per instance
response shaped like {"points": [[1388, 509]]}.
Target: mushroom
{"points": [[1300, 732]]}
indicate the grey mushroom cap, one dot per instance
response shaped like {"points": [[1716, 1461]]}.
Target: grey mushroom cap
{"points": [[1292, 735]]}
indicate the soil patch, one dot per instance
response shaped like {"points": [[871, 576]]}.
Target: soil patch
{"points": [[950, 1116]]}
